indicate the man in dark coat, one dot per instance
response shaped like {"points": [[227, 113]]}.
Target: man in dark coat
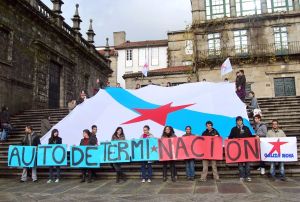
{"points": [[30, 139], [241, 131], [210, 131], [93, 141]]}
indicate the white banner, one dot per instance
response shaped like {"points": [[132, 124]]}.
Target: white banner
{"points": [[278, 149], [185, 105]]}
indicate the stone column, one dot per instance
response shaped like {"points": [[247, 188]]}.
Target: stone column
{"points": [[264, 6], [202, 10], [198, 11], [232, 8], [296, 5]]}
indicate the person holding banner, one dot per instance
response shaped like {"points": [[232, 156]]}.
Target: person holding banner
{"points": [[189, 163], [261, 132], [276, 132], [168, 132], [146, 165], [118, 135], [210, 131], [54, 139], [93, 141], [241, 131], [30, 139], [85, 141]]}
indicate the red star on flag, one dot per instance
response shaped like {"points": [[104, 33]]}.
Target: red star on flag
{"points": [[158, 115], [154, 149], [276, 146]]}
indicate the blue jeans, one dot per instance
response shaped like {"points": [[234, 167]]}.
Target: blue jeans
{"points": [[190, 168], [3, 134], [244, 169], [51, 176], [146, 170], [273, 169]]}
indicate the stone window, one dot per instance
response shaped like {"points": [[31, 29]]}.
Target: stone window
{"points": [[248, 7], [241, 42], [154, 56], [142, 57], [281, 40], [5, 44], [214, 44], [217, 9], [189, 47], [128, 54], [129, 58], [279, 5]]}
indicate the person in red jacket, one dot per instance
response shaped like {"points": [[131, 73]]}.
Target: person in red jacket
{"points": [[85, 141]]}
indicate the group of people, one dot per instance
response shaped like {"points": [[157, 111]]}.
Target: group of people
{"points": [[5, 125], [90, 138]]}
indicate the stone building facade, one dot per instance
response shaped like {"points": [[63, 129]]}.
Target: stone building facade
{"points": [[260, 36], [179, 59], [43, 61]]}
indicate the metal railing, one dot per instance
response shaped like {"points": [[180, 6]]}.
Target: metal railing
{"points": [[291, 48]]}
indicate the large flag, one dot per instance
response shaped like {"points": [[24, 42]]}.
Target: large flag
{"points": [[226, 67], [145, 69], [279, 149], [190, 104]]}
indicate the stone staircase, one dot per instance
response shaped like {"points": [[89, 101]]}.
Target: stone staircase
{"points": [[285, 109]]}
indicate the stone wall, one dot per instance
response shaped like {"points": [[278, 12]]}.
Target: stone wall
{"points": [[35, 42]]}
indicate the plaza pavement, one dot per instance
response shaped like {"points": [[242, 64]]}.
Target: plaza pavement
{"points": [[260, 189]]}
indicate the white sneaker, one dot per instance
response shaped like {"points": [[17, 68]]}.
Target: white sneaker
{"points": [[258, 169], [149, 180], [143, 181], [262, 171], [249, 179], [57, 180], [49, 181]]}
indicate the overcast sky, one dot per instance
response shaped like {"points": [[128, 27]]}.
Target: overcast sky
{"points": [[141, 19]]}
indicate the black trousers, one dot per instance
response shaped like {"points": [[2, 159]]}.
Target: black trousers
{"points": [[172, 168]]}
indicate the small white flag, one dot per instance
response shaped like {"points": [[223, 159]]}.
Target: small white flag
{"points": [[226, 67], [145, 69]]}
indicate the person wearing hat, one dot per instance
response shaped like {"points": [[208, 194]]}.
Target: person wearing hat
{"points": [[242, 131]]}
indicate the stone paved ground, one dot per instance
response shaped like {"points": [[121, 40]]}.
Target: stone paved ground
{"points": [[260, 189]]}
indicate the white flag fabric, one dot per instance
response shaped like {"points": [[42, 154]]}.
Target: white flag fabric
{"points": [[191, 104], [145, 69], [226, 67], [278, 149]]}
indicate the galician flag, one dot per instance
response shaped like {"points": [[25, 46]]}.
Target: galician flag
{"points": [[226, 67], [145, 69], [191, 104]]}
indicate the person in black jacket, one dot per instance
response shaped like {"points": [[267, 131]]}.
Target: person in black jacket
{"points": [[168, 132], [30, 139], [85, 141], [210, 131], [54, 139], [5, 124], [93, 141], [242, 131]]}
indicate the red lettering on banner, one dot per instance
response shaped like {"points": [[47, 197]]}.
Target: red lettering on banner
{"points": [[191, 147], [242, 150]]}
